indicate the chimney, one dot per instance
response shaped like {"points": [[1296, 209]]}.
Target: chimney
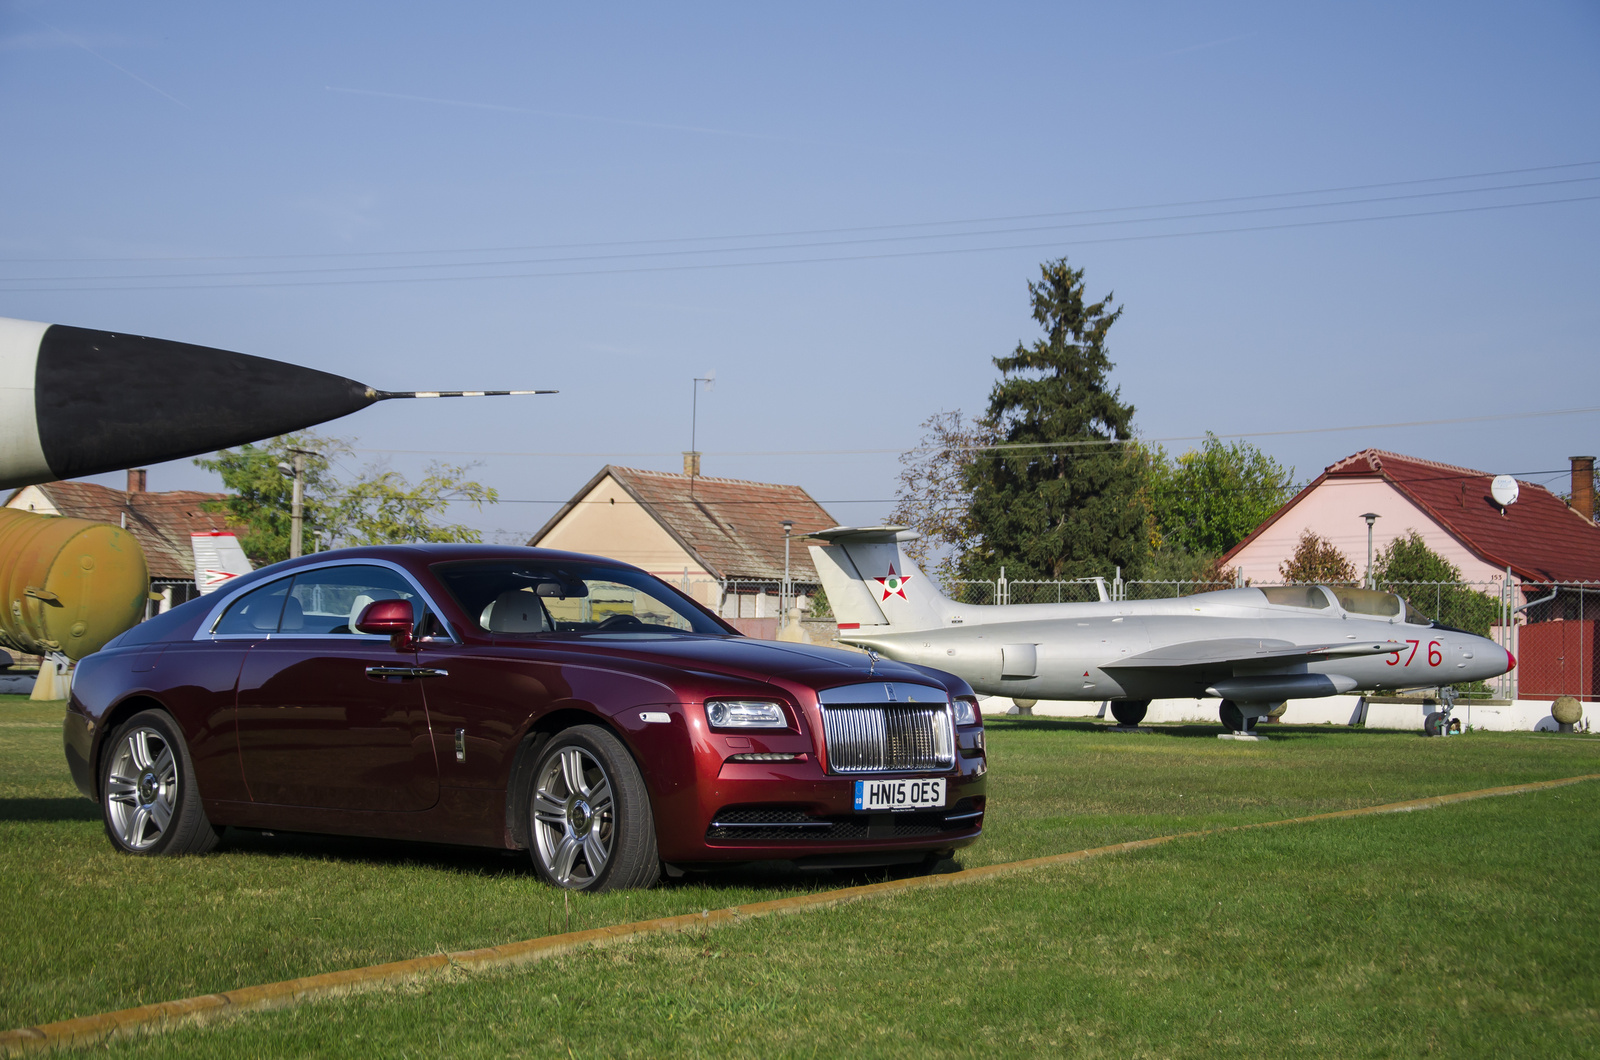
{"points": [[1583, 486], [136, 477], [691, 465]]}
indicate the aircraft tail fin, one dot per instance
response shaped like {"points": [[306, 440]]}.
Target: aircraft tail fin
{"points": [[218, 558], [871, 581]]}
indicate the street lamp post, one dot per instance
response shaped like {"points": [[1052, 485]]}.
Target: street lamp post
{"points": [[788, 586], [1370, 517]]}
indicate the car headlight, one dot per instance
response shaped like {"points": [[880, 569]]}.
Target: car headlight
{"points": [[966, 710], [745, 714]]}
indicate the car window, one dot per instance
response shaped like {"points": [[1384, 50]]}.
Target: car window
{"points": [[540, 597], [329, 600], [256, 612]]}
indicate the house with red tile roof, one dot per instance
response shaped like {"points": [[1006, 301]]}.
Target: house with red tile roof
{"points": [[161, 522], [1538, 542], [1539, 538], [697, 532]]}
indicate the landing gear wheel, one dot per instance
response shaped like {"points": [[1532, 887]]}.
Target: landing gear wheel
{"points": [[589, 818], [148, 796], [1129, 712], [1434, 724], [1232, 716]]}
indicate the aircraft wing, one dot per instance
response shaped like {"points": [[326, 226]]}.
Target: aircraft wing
{"points": [[1236, 650]]}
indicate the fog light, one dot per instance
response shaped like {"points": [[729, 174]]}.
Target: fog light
{"points": [[765, 756], [745, 714]]}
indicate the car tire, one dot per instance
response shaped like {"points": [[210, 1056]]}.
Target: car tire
{"points": [[148, 797], [590, 827]]}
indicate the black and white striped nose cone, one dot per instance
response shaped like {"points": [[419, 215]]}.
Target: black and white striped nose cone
{"points": [[76, 402]]}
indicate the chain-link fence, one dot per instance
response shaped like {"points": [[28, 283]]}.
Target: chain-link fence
{"points": [[1002, 591], [756, 598]]}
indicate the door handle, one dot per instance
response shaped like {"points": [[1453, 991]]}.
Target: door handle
{"points": [[406, 671]]}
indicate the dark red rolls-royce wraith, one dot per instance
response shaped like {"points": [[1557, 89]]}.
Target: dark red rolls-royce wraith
{"points": [[517, 698]]}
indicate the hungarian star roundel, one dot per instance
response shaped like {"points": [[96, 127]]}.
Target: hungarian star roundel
{"points": [[893, 584]]}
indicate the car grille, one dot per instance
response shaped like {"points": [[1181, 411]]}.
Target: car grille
{"points": [[760, 824], [888, 739]]}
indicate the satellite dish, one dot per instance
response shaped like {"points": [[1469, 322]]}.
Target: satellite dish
{"points": [[1504, 490]]}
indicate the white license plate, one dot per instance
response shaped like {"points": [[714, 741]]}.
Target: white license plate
{"points": [[899, 794]]}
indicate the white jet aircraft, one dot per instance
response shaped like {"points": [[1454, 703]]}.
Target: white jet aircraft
{"points": [[1252, 648]]}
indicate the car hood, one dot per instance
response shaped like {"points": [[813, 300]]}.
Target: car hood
{"points": [[747, 657]]}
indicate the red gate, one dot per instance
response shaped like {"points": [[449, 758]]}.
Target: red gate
{"points": [[1558, 659]]}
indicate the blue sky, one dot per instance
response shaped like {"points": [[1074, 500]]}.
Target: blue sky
{"points": [[333, 184]]}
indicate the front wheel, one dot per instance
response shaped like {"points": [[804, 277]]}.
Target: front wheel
{"points": [[148, 795], [589, 816]]}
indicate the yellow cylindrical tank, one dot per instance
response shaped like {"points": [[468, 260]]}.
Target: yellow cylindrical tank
{"points": [[70, 585]]}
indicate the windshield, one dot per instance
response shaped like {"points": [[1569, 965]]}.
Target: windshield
{"points": [[1368, 602], [518, 597], [1415, 617]]}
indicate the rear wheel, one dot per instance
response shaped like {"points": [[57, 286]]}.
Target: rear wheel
{"points": [[148, 795], [589, 820], [1129, 711]]}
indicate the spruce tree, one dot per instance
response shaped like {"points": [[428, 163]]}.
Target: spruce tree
{"points": [[1060, 511]]}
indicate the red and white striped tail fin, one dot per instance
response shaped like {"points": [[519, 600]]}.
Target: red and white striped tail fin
{"points": [[218, 559]]}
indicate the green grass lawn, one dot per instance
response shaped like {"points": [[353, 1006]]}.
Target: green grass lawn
{"points": [[1450, 931]]}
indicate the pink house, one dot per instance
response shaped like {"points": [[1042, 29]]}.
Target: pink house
{"points": [[1539, 538]]}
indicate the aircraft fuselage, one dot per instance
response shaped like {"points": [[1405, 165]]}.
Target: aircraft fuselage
{"points": [[1119, 650]]}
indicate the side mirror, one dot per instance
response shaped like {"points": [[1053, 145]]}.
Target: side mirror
{"points": [[390, 618]]}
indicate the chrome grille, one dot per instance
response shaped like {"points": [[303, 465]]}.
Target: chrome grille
{"points": [[888, 739]]}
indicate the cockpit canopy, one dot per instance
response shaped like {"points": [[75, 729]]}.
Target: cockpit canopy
{"points": [[1352, 600]]}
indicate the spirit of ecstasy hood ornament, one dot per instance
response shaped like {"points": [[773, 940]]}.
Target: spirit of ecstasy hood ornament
{"points": [[872, 666]]}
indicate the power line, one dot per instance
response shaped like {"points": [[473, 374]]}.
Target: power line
{"points": [[1064, 444], [1285, 488], [788, 261], [324, 270], [827, 231]]}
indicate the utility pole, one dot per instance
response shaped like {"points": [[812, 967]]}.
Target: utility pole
{"points": [[297, 504]]}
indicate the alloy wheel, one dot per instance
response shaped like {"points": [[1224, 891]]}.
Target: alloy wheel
{"points": [[574, 817], [142, 788]]}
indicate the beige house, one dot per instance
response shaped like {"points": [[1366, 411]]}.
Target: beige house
{"points": [[720, 539]]}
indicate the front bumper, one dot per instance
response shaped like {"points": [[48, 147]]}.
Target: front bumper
{"points": [[794, 812]]}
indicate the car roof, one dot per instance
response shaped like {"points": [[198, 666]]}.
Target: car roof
{"points": [[425, 555]]}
